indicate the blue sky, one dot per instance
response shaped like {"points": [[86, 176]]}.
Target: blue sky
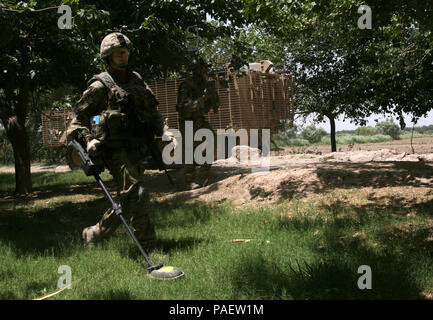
{"points": [[346, 125]]}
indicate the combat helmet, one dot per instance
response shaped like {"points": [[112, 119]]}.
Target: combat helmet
{"points": [[112, 41], [196, 63]]}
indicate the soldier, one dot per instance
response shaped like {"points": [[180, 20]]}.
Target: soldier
{"points": [[118, 111], [196, 96]]}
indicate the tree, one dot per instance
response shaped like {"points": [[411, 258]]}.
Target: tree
{"points": [[389, 128], [367, 131], [38, 56], [342, 70], [313, 134]]}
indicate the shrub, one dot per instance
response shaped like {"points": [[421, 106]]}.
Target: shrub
{"points": [[313, 134], [389, 128], [367, 131]]}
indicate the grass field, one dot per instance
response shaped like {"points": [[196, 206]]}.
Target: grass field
{"points": [[349, 139], [296, 250]]}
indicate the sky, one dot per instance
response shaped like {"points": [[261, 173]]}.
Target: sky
{"points": [[346, 125]]}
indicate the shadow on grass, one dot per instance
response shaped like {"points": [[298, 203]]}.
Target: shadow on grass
{"points": [[49, 230], [399, 253], [57, 230], [331, 278], [349, 175], [50, 184], [111, 294], [176, 213], [164, 245], [8, 295]]}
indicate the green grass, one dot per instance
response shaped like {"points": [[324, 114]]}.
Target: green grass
{"points": [[415, 135], [298, 250], [48, 179], [346, 139], [356, 139]]}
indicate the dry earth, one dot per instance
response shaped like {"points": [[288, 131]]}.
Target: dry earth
{"points": [[387, 171], [303, 173]]}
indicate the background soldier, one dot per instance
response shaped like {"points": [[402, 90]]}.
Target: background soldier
{"points": [[196, 95], [118, 112]]}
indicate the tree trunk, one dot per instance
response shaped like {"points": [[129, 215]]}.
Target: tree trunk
{"points": [[333, 140], [19, 139], [13, 113]]}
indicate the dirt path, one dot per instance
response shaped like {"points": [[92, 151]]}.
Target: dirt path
{"points": [[54, 168], [302, 175]]}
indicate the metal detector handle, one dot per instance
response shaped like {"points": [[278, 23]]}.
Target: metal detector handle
{"points": [[118, 210]]}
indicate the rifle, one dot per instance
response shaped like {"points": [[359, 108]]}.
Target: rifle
{"points": [[80, 158]]}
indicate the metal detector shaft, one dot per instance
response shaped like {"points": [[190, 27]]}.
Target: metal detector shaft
{"points": [[118, 210]]}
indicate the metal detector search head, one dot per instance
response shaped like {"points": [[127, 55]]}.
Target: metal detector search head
{"points": [[166, 273]]}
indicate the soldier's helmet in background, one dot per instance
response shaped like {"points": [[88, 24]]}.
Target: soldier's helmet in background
{"points": [[197, 63], [112, 41]]}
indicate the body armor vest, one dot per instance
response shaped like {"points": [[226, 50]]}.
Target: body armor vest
{"points": [[124, 117]]}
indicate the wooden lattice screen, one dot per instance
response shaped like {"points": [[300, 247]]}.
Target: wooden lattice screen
{"points": [[254, 101], [54, 125]]}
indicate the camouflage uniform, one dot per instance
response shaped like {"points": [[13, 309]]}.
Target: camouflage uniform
{"points": [[126, 116], [194, 100]]}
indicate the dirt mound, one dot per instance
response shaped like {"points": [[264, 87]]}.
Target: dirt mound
{"points": [[301, 175], [289, 175]]}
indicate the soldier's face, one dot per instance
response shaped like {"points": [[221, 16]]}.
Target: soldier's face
{"points": [[120, 57], [200, 72]]}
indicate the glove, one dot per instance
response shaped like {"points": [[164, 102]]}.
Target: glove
{"points": [[92, 148]]}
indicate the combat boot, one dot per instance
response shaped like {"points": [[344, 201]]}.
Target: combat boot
{"points": [[92, 234]]}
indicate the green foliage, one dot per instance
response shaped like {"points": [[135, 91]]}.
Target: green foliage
{"points": [[293, 142], [415, 135], [287, 135], [424, 129], [357, 139], [342, 70], [389, 128], [313, 134], [367, 131]]}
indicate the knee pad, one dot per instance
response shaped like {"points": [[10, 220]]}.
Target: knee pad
{"points": [[142, 194]]}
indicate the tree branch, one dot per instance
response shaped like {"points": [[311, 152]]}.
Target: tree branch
{"points": [[27, 9]]}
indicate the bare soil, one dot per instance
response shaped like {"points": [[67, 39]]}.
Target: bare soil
{"points": [[378, 170], [299, 176], [420, 146]]}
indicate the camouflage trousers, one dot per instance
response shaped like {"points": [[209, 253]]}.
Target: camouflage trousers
{"points": [[127, 171], [189, 169]]}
